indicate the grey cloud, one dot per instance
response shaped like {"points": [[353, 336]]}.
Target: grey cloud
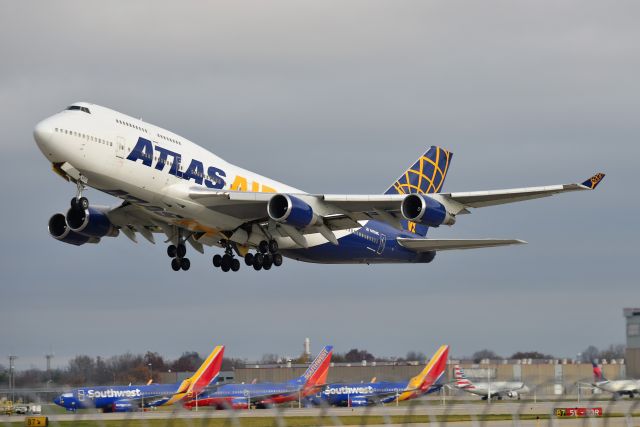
{"points": [[334, 97]]}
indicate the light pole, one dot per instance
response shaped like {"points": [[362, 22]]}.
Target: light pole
{"points": [[150, 373], [12, 378]]}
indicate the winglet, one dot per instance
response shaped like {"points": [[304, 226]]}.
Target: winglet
{"points": [[593, 182]]}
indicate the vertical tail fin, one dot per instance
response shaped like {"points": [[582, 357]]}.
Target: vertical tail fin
{"points": [[425, 176], [461, 379], [431, 373], [316, 373], [205, 374], [597, 372]]}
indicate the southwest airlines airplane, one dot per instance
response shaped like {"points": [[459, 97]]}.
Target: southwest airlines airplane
{"points": [[170, 185], [127, 398], [242, 396], [365, 394]]}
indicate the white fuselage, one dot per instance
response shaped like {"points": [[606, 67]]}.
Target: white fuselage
{"points": [[619, 386], [501, 388], [96, 145]]}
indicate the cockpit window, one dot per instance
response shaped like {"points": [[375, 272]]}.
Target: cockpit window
{"points": [[77, 107]]}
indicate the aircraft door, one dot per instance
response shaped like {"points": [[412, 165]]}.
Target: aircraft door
{"points": [[81, 395], [382, 243], [120, 150]]}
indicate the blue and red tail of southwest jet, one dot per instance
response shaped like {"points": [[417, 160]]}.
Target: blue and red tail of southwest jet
{"points": [[242, 396], [426, 176], [316, 374]]}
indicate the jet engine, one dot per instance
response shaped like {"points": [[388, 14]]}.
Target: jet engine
{"points": [[356, 401], [91, 222], [424, 210], [513, 394], [122, 406], [59, 230], [291, 210]]}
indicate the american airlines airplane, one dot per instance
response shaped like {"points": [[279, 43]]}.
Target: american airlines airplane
{"points": [[497, 389], [170, 185]]}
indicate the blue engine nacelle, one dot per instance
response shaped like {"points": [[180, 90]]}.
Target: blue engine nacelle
{"points": [[91, 222], [356, 401], [59, 230], [122, 406], [422, 209], [291, 210]]}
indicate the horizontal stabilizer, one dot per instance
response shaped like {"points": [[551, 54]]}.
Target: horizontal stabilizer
{"points": [[428, 245]]}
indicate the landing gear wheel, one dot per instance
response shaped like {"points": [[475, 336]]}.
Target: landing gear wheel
{"points": [[83, 203], [226, 262], [176, 264], [263, 247], [277, 260], [185, 263], [235, 265], [273, 246], [181, 250], [217, 260], [268, 262], [258, 259], [172, 251], [248, 258]]}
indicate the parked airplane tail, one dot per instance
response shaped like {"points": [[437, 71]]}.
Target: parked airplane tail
{"points": [[205, 374], [425, 176], [316, 373], [430, 374], [461, 379], [597, 372]]}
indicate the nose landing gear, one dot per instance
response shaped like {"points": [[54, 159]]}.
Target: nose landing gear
{"points": [[79, 202]]}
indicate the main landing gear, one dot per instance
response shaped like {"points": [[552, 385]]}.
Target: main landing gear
{"points": [[266, 256], [227, 261], [178, 254]]}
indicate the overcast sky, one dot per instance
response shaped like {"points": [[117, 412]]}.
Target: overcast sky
{"points": [[334, 97]]}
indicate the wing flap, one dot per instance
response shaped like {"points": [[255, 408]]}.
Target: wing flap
{"points": [[428, 245]]}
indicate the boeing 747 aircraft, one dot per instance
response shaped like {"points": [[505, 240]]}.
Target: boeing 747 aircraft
{"points": [[365, 394], [172, 186], [128, 398], [242, 396]]}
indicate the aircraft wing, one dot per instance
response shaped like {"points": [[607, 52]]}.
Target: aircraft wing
{"points": [[133, 219], [428, 245], [480, 199], [342, 211]]}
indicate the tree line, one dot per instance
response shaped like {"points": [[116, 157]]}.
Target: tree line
{"points": [[140, 368]]}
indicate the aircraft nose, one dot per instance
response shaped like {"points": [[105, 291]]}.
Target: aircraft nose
{"points": [[58, 400], [42, 132]]}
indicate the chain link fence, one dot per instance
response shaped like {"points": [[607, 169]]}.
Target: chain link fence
{"points": [[533, 409]]}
